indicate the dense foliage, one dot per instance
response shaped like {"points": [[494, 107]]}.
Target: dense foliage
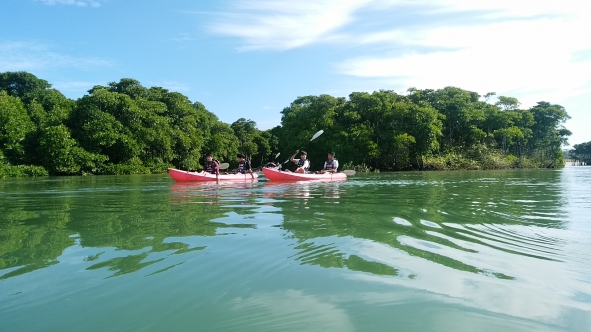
{"points": [[582, 152], [448, 128], [122, 128], [125, 128]]}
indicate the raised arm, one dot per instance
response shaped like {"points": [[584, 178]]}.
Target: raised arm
{"points": [[292, 158]]}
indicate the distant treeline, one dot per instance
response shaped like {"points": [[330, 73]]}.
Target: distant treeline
{"points": [[581, 152], [125, 128]]}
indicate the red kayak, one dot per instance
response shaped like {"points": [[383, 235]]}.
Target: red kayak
{"points": [[277, 175], [185, 176]]}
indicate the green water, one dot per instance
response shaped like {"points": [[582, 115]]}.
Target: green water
{"points": [[435, 251]]}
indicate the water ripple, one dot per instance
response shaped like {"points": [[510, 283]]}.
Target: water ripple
{"points": [[509, 247]]}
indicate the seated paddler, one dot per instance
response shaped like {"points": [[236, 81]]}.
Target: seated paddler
{"points": [[303, 163]]}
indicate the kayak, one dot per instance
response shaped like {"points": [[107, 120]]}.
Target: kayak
{"points": [[277, 175], [185, 176]]}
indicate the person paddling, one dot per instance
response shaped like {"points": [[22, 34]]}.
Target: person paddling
{"points": [[244, 166], [331, 165], [303, 163], [212, 166]]}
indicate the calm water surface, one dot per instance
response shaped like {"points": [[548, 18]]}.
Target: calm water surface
{"points": [[437, 251]]}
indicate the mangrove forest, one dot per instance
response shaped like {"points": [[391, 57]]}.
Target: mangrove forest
{"points": [[126, 128]]}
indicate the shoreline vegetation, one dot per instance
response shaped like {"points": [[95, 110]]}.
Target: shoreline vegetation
{"points": [[126, 128]]}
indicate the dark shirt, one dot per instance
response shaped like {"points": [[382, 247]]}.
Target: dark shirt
{"points": [[212, 167], [243, 166]]}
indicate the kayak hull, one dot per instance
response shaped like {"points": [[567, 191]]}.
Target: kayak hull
{"points": [[185, 176], [277, 175]]}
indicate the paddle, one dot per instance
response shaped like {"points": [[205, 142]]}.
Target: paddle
{"points": [[311, 139], [267, 164], [349, 172], [277, 166], [224, 165]]}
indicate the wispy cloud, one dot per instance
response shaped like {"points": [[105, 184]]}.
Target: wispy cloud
{"points": [[28, 56], [535, 57], [282, 25], [79, 3], [529, 48]]}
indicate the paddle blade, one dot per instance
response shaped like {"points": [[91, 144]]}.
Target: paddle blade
{"points": [[316, 135], [224, 165], [277, 156], [349, 172]]}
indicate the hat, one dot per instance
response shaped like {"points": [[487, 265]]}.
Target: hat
{"points": [[240, 155], [304, 152]]}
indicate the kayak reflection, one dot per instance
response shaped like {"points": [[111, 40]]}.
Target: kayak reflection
{"points": [[303, 189]]}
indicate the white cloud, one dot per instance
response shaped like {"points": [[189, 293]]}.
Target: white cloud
{"points": [[32, 57], [79, 3], [533, 58], [530, 48], [491, 8], [284, 25], [533, 50]]}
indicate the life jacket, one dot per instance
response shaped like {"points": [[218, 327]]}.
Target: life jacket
{"points": [[329, 164], [302, 162], [211, 166], [243, 166]]}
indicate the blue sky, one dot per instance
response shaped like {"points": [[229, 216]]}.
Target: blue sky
{"points": [[252, 58]]}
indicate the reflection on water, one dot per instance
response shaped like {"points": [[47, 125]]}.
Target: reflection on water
{"points": [[509, 248]]}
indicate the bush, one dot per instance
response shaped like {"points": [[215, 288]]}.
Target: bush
{"points": [[482, 159], [450, 161], [363, 168], [21, 171], [434, 163], [524, 162], [348, 165], [496, 160]]}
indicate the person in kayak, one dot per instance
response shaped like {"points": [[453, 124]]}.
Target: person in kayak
{"points": [[271, 164], [303, 163], [212, 166], [331, 165], [244, 165]]}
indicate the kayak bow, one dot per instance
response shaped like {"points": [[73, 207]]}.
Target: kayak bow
{"points": [[185, 176]]}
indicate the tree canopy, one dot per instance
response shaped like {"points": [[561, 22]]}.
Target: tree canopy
{"points": [[427, 129], [582, 152], [124, 128]]}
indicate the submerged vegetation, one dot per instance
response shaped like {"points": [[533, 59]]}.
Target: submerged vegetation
{"points": [[126, 128]]}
